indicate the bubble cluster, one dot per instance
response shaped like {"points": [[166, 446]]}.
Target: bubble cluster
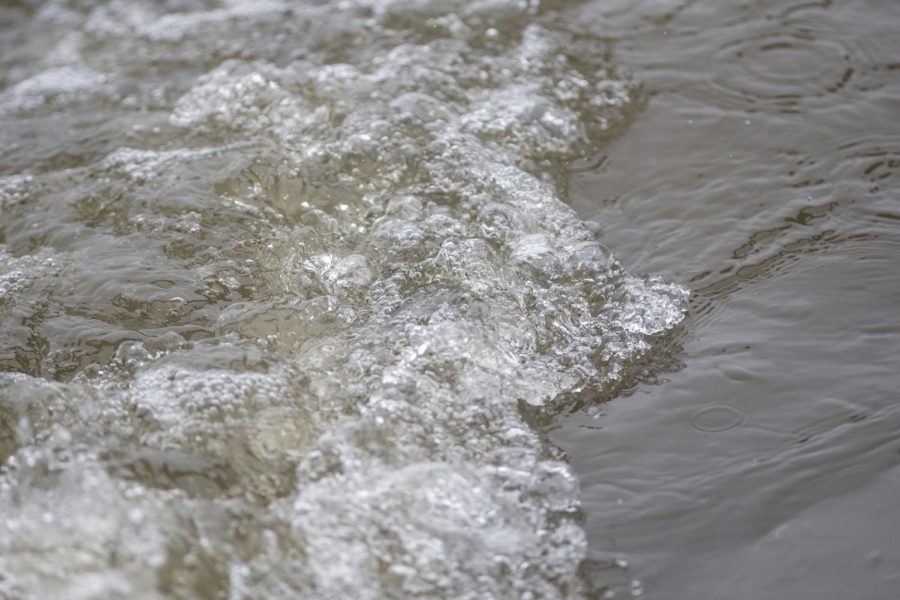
{"points": [[310, 303]]}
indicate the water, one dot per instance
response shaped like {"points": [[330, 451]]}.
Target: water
{"points": [[763, 170], [294, 303]]}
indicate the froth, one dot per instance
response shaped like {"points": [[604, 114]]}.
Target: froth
{"points": [[372, 281]]}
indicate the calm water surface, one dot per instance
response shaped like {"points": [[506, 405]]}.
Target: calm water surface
{"points": [[763, 170], [446, 299]]}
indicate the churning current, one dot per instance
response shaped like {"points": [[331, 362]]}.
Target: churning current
{"points": [[284, 288]]}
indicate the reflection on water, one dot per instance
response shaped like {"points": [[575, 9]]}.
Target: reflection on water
{"points": [[763, 171]]}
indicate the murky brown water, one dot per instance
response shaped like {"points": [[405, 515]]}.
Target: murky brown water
{"points": [[292, 302]]}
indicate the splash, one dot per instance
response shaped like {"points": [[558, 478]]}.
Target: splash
{"points": [[281, 336]]}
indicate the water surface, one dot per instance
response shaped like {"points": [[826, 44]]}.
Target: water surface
{"points": [[377, 299], [763, 170]]}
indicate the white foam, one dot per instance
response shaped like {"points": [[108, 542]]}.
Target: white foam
{"points": [[394, 282]]}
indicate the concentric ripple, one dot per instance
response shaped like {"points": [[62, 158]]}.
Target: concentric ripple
{"points": [[786, 68], [274, 334]]}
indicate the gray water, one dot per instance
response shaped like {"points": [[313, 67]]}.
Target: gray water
{"points": [[351, 299], [763, 171]]}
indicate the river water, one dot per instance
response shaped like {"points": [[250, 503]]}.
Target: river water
{"points": [[444, 299]]}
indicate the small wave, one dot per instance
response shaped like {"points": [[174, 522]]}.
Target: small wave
{"points": [[297, 321]]}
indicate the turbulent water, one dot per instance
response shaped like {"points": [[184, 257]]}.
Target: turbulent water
{"points": [[285, 288]]}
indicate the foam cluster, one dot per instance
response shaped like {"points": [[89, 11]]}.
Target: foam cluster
{"points": [[296, 323]]}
